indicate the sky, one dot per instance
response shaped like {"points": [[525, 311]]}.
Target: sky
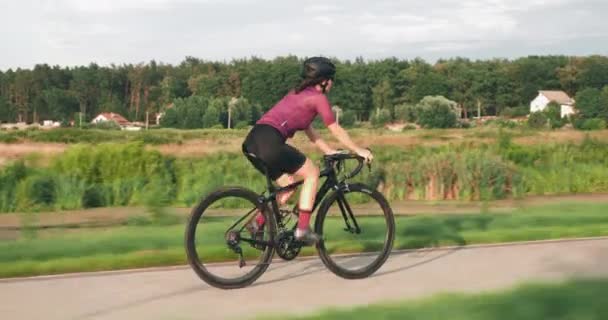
{"points": [[78, 32]]}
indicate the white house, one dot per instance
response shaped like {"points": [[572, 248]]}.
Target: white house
{"points": [[545, 97]]}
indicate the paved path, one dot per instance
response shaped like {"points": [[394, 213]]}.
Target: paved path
{"points": [[297, 286]]}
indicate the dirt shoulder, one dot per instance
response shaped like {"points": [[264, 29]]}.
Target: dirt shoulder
{"points": [[202, 147]]}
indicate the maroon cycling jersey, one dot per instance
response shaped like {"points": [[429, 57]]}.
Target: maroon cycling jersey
{"points": [[296, 111]]}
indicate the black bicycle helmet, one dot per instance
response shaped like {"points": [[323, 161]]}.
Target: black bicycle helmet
{"points": [[318, 68]]}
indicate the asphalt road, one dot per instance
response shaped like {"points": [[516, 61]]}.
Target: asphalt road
{"points": [[299, 286]]}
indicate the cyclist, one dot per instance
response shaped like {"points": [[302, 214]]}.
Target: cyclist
{"points": [[295, 112]]}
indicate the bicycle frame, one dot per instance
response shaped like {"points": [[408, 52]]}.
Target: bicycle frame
{"points": [[331, 181]]}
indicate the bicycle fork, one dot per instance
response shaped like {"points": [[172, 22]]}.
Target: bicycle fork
{"points": [[347, 213]]}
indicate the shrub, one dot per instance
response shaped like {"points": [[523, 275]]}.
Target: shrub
{"points": [[406, 112], [380, 118], [241, 125], [36, 192], [437, 116], [348, 119], [515, 112], [106, 125], [537, 120], [594, 124]]}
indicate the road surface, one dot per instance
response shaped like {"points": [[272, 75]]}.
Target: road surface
{"points": [[297, 287]]}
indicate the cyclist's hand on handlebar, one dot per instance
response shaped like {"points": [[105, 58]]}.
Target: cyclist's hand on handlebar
{"points": [[331, 151], [366, 154]]}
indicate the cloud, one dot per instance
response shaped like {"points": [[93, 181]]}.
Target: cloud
{"points": [[324, 20], [76, 32]]}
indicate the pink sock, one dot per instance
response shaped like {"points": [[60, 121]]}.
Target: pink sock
{"points": [[260, 219], [304, 219]]}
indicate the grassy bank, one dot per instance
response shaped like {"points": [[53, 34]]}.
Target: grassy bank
{"points": [[574, 299], [62, 251], [130, 174]]}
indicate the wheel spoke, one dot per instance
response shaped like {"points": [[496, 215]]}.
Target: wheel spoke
{"points": [[355, 254], [212, 236]]}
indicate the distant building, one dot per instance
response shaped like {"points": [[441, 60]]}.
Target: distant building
{"points": [[545, 97], [111, 116]]}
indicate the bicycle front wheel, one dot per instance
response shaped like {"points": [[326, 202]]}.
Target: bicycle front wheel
{"points": [[219, 247], [358, 229]]}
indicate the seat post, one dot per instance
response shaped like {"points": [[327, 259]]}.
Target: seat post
{"points": [[268, 180]]}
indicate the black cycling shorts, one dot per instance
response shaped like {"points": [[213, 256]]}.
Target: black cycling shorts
{"points": [[268, 145]]}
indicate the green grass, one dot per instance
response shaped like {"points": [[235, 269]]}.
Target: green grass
{"points": [[574, 299], [143, 246]]}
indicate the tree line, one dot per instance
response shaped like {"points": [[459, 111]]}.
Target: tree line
{"points": [[363, 88]]}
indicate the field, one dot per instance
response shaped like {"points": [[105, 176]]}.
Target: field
{"points": [[475, 164]]}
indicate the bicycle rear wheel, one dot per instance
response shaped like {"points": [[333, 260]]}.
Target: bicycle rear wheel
{"points": [[358, 229], [217, 242]]}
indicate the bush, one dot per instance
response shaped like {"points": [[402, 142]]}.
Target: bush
{"points": [[437, 116], [406, 112], [36, 192], [347, 119], [241, 125], [106, 125], [515, 112], [537, 120], [553, 113], [94, 197], [594, 124], [380, 118], [502, 123]]}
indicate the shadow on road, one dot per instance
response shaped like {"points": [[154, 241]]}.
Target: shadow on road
{"points": [[309, 267], [417, 264], [131, 304]]}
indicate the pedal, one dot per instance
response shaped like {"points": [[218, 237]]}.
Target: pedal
{"points": [[242, 262]]}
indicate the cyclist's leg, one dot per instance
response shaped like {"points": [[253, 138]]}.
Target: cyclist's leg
{"points": [[310, 173], [295, 162], [283, 181]]}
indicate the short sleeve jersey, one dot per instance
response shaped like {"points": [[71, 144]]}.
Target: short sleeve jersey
{"points": [[296, 111]]}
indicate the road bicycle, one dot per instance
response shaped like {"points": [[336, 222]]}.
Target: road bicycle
{"points": [[355, 222]]}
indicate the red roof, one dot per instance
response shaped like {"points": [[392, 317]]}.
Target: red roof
{"points": [[115, 117]]}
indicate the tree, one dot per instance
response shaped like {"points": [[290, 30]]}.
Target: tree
{"points": [[588, 103], [430, 84], [61, 104], [85, 88], [186, 113], [7, 110], [380, 118], [211, 117], [382, 96], [594, 72]]}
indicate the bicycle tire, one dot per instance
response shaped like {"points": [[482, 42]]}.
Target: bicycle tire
{"points": [[390, 236], [192, 255]]}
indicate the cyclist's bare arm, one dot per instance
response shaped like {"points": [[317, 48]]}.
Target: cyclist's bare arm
{"points": [[345, 139], [318, 141]]}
